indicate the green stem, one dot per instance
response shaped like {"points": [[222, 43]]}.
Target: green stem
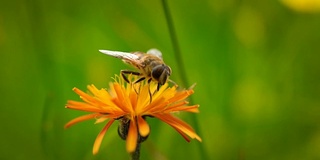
{"points": [[175, 44], [182, 71], [136, 154], [123, 129]]}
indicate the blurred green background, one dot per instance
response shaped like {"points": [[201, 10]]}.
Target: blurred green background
{"points": [[256, 65]]}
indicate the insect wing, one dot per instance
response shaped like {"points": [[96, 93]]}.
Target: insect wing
{"points": [[155, 52], [121, 55]]}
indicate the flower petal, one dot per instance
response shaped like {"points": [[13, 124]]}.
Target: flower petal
{"points": [[91, 108], [193, 109], [81, 118], [181, 95], [86, 97], [101, 119], [100, 136], [133, 99], [143, 126], [155, 106], [143, 99], [178, 124], [82, 106], [182, 134], [178, 104], [123, 98], [132, 137], [102, 95], [161, 90]]}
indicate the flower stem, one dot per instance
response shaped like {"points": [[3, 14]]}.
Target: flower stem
{"points": [[136, 154], [123, 130]]}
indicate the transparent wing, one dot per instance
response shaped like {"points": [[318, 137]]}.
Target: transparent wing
{"points": [[121, 55], [155, 52]]}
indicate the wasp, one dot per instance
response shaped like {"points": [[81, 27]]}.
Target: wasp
{"points": [[150, 65]]}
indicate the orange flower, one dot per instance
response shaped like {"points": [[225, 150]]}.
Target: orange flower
{"points": [[131, 102]]}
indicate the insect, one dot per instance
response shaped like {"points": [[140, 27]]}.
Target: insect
{"points": [[150, 65]]}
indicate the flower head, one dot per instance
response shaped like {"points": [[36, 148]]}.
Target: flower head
{"points": [[131, 104]]}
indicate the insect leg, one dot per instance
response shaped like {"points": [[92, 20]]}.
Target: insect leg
{"points": [[137, 81], [149, 80], [124, 72], [158, 87]]}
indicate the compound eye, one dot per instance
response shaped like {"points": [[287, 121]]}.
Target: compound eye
{"points": [[161, 73], [157, 71]]}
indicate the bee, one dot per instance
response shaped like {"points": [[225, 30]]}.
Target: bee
{"points": [[150, 65]]}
